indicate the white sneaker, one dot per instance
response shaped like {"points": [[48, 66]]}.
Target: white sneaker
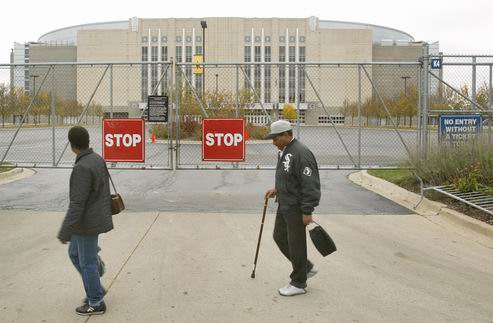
{"points": [[290, 290], [312, 272]]}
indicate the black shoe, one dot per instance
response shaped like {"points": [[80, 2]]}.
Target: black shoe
{"points": [[87, 309], [85, 301]]}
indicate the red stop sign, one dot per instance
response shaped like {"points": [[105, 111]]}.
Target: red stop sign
{"points": [[124, 140], [223, 140]]}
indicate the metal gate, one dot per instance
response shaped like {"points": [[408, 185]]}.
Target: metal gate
{"points": [[351, 115]]}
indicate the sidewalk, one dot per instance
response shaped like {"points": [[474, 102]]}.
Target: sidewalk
{"points": [[195, 267]]}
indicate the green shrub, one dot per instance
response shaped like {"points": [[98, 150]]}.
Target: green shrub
{"points": [[467, 166], [257, 132]]}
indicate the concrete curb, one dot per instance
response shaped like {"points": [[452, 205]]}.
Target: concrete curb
{"points": [[11, 173], [15, 175], [426, 208]]}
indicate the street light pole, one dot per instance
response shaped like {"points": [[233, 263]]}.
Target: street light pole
{"points": [[203, 23], [405, 78]]}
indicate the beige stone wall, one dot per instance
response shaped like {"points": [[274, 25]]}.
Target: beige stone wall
{"points": [[225, 42]]}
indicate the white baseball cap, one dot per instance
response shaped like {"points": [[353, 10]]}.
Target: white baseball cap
{"points": [[278, 127]]}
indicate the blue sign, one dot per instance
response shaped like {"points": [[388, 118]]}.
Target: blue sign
{"points": [[436, 63], [457, 129]]}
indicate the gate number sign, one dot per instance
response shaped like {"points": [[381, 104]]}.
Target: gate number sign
{"points": [[124, 140], [223, 140]]}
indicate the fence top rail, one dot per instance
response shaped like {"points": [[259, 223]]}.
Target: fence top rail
{"points": [[464, 56], [467, 64], [213, 64]]}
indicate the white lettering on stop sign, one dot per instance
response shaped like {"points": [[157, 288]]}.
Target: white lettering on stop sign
{"points": [[118, 139], [228, 139]]}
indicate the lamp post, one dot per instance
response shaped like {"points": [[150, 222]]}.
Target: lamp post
{"points": [[405, 78], [203, 23]]}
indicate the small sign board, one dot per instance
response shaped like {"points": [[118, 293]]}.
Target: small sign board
{"points": [[157, 108], [198, 69], [457, 129], [436, 63]]}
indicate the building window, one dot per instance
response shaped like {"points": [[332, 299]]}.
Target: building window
{"points": [[144, 74], [257, 69], [267, 74], [302, 81], [188, 59], [282, 74], [292, 74], [164, 58], [198, 50], [248, 59], [154, 68], [336, 118], [179, 57]]}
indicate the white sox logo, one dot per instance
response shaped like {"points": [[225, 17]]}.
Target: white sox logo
{"points": [[287, 160]]}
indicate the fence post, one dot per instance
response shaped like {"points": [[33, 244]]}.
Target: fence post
{"points": [[297, 100], [359, 116], [52, 105], [237, 92], [419, 86], [111, 91], [490, 103], [473, 90], [426, 66], [178, 84]]}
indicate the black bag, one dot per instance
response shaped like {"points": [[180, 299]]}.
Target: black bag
{"points": [[117, 204], [322, 241]]}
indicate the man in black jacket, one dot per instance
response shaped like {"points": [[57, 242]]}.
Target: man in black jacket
{"points": [[88, 215], [298, 193]]}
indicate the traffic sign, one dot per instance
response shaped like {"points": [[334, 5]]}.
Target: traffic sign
{"points": [[223, 140], [124, 140]]}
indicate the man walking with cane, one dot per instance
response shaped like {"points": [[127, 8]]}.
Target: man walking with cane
{"points": [[297, 190]]}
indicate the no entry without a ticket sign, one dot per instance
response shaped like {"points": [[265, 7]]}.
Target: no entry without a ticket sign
{"points": [[223, 140], [124, 140]]}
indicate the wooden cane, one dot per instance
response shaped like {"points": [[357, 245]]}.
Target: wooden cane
{"points": [[259, 238]]}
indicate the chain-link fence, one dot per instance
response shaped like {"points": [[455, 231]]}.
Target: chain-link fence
{"points": [[351, 115], [40, 102], [455, 85]]}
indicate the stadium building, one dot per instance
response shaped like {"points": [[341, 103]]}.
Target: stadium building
{"points": [[225, 40]]}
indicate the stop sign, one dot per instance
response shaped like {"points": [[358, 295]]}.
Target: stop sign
{"points": [[223, 140], [124, 140]]}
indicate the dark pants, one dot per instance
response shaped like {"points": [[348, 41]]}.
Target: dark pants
{"points": [[83, 251], [290, 237]]}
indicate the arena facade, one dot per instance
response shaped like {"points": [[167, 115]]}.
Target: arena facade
{"points": [[226, 40]]}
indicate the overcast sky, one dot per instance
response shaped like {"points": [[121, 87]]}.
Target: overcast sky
{"points": [[461, 26]]}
